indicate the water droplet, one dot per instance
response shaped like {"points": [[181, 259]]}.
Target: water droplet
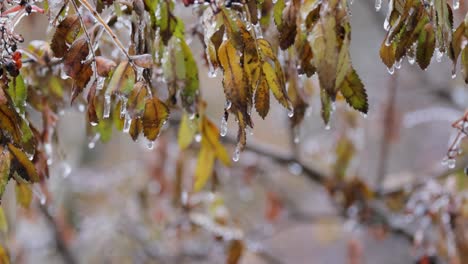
{"points": [[127, 123], [223, 129], [378, 5], [456, 4], [454, 75], [295, 168], [107, 106], [227, 105], [198, 137], [391, 70], [236, 155], [327, 127], [411, 59], [212, 72], [93, 123], [291, 113], [363, 115]]}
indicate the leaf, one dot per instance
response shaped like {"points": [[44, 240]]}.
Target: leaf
{"points": [[23, 194], [426, 46], [186, 132], [235, 251], [353, 91], [274, 84], [211, 133], [4, 258], [137, 99], [5, 161], [326, 105], [464, 63], [104, 66], [3, 221], [190, 90], [387, 54], [75, 68], [22, 165], [64, 35], [143, 60], [18, 93], [325, 49], [456, 44], [344, 153], [262, 98], [287, 28], [122, 80], [154, 116], [205, 164], [135, 128]]}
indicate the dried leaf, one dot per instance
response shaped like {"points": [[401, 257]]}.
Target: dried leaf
{"points": [[235, 251], [104, 66], [5, 162], [262, 98], [64, 35], [353, 91], [122, 80], [155, 115]]}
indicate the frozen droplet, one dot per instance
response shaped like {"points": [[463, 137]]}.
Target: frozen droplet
{"points": [[439, 54], [351, 2], [107, 106], [212, 72], [364, 115], [100, 83], [127, 123], [92, 142], [451, 163], [236, 155], [296, 139], [456, 4], [92, 123], [123, 107], [291, 113], [454, 75], [223, 129], [333, 107], [198, 137], [386, 24], [391, 70], [258, 30], [66, 170], [227, 105], [192, 116], [398, 64], [150, 145], [39, 194], [411, 59], [249, 130], [378, 5], [81, 108], [327, 127], [295, 168]]}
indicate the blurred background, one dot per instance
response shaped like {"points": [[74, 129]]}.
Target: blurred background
{"points": [[122, 202]]}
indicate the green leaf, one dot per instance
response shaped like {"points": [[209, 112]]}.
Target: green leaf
{"points": [[426, 46], [23, 194], [326, 105], [353, 91], [18, 93]]}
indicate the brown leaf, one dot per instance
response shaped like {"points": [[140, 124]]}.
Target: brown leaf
{"points": [[262, 97], [156, 113], [22, 165], [104, 66], [64, 35], [236, 248], [75, 68]]}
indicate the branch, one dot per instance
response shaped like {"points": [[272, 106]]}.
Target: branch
{"points": [[60, 242]]}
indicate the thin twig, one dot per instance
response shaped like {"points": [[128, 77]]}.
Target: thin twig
{"points": [[388, 123], [62, 247]]}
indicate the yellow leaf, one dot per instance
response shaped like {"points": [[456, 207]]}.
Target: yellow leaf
{"points": [[211, 134], [5, 162], [186, 132], [274, 84], [24, 167], [205, 163], [4, 258], [23, 194], [3, 221], [262, 98]]}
